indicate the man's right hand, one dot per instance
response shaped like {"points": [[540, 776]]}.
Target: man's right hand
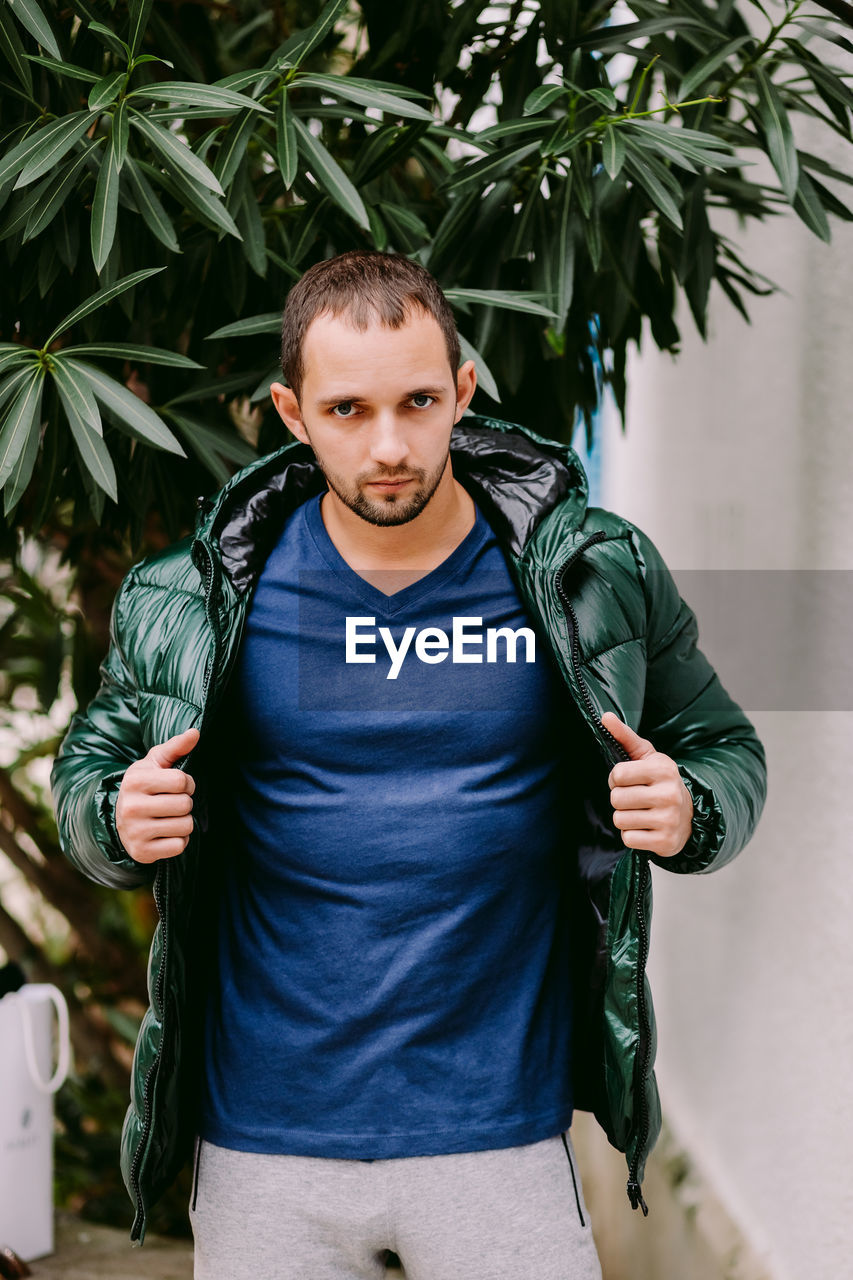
{"points": [[154, 805]]}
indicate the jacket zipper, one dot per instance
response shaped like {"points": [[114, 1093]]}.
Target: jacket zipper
{"points": [[160, 902], [635, 1194], [139, 1219]]}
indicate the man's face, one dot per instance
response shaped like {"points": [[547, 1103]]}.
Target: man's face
{"points": [[378, 407]]}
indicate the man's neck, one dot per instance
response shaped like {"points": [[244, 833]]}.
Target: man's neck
{"points": [[393, 556]]}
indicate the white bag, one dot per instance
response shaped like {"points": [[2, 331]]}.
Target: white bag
{"points": [[26, 1114]]}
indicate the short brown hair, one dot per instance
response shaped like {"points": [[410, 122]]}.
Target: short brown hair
{"points": [[366, 285]]}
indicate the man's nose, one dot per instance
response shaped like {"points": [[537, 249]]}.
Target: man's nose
{"points": [[388, 444]]}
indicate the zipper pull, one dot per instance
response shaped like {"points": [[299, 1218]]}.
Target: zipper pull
{"points": [[635, 1195]]}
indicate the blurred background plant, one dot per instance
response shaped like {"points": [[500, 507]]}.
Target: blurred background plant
{"points": [[168, 169]]}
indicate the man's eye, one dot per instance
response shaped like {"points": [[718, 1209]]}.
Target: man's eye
{"points": [[421, 395], [344, 404]]}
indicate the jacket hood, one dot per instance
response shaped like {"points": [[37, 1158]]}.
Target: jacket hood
{"points": [[516, 476]]}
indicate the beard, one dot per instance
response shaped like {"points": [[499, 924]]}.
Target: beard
{"points": [[392, 508]]}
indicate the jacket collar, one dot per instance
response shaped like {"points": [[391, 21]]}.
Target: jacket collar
{"points": [[516, 476]]}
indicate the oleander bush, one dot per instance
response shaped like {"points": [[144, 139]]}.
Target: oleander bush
{"points": [[168, 169]]}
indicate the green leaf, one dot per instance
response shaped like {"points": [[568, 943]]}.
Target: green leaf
{"points": [[485, 378], [150, 57], [44, 149], [176, 156], [106, 90], [506, 129], [54, 194], [13, 51], [506, 298], [187, 94], [613, 146], [153, 214], [60, 68], [605, 97], [541, 97], [329, 175], [233, 384], [98, 299], [105, 205], [233, 146], [809, 161], [642, 171], [119, 133], [269, 322], [378, 230], [94, 453], [704, 69], [780, 137], [22, 207], [262, 390], [12, 354], [259, 80], [109, 38], [14, 382], [301, 43], [564, 263], [210, 445], [285, 142], [133, 413], [77, 391], [490, 167], [343, 87], [251, 225], [33, 20], [139, 14], [675, 142], [201, 201], [826, 32], [130, 351], [607, 38], [23, 469], [807, 205], [21, 419], [408, 230]]}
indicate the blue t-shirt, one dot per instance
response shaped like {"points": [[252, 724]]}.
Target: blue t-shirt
{"points": [[393, 950]]}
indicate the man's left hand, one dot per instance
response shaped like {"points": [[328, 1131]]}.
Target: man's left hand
{"points": [[652, 807]]}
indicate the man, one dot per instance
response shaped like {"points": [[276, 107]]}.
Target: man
{"points": [[395, 736]]}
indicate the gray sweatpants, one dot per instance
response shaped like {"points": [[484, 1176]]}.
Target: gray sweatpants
{"points": [[477, 1215]]}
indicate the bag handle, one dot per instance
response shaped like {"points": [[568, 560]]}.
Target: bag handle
{"points": [[49, 992]]}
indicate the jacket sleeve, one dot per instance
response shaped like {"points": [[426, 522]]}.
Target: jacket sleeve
{"points": [[688, 714], [100, 743]]}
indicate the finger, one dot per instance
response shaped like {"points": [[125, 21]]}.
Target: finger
{"points": [[640, 797], [156, 781], [636, 746], [166, 753], [154, 850], [160, 805], [647, 842], [165, 828], [632, 773], [641, 819]]}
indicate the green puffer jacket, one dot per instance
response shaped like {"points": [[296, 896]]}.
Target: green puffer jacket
{"points": [[623, 640]]}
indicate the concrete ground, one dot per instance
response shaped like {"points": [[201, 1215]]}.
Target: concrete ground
{"points": [[88, 1251]]}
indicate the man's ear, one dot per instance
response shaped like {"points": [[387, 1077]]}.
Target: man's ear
{"points": [[287, 407], [466, 385]]}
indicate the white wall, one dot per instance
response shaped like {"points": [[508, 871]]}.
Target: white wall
{"points": [[738, 454]]}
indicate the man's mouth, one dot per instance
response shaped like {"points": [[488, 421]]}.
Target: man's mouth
{"points": [[390, 485]]}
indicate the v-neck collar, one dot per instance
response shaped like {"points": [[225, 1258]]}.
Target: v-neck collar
{"points": [[397, 601]]}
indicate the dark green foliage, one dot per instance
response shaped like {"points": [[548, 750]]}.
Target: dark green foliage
{"points": [[233, 146]]}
